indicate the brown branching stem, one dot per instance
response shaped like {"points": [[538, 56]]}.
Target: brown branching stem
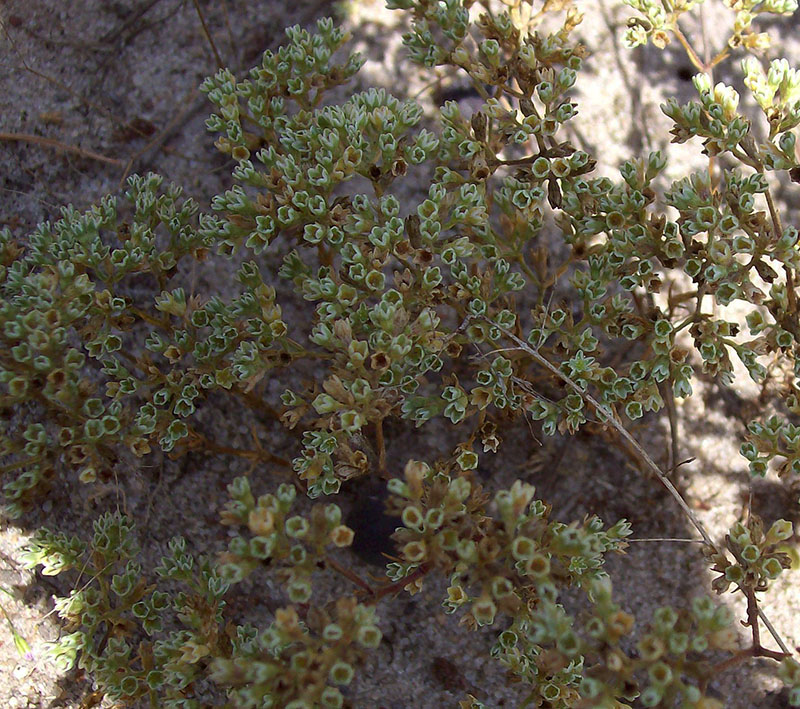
{"points": [[673, 451], [258, 404], [757, 649], [397, 586], [380, 444], [745, 655], [698, 63], [611, 419], [349, 574], [192, 103], [380, 592], [200, 441], [163, 324], [23, 462], [705, 67]]}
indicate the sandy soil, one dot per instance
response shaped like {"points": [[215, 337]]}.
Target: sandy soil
{"points": [[117, 82]]}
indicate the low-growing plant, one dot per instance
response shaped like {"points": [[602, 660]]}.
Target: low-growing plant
{"points": [[95, 372]]}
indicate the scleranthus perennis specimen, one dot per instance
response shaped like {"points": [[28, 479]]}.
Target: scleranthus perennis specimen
{"points": [[424, 308]]}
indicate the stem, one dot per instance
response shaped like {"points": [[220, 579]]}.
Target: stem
{"points": [[52, 143], [518, 161], [776, 225], [255, 455], [752, 616], [20, 464], [696, 61], [164, 325], [349, 574], [719, 57], [206, 32], [396, 586], [774, 633], [704, 67], [732, 661], [744, 655], [642, 454], [695, 316], [623, 432], [744, 158], [258, 404], [674, 448], [381, 445], [666, 539], [526, 268]]}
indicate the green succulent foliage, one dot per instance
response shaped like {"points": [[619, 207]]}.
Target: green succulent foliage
{"points": [[519, 566], [655, 21], [758, 555], [789, 672], [662, 671], [117, 624], [294, 664], [295, 541], [773, 439], [517, 553], [401, 288], [70, 347]]}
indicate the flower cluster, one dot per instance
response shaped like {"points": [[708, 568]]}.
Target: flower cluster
{"points": [[278, 538], [117, 625], [770, 439], [758, 559]]}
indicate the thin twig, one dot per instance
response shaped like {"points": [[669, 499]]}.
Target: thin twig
{"points": [[380, 444], [698, 63], [231, 42], [198, 440], [58, 145], [774, 633], [776, 225], [207, 33], [349, 574], [673, 451], [609, 416], [707, 68], [667, 539], [400, 584]]}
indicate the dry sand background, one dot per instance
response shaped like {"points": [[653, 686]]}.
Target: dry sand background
{"points": [[119, 78]]}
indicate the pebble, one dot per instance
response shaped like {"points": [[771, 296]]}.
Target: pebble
{"points": [[21, 671]]}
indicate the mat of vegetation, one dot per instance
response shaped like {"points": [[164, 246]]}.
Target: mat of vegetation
{"points": [[462, 373]]}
